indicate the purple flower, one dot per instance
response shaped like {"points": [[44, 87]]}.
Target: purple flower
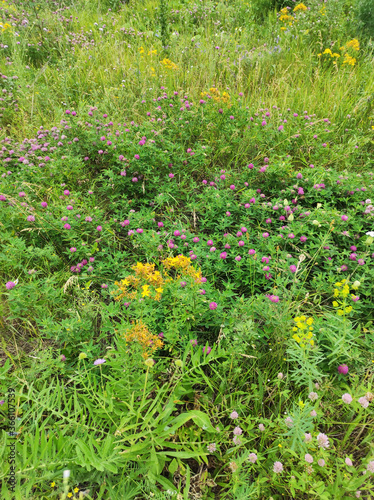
{"points": [[44, 204], [234, 415], [206, 350], [238, 431], [309, 458], [99, 361], [213, 305], [223, 255], [67, 226], [30, 218], [104, 285], [265, 235], [63, 357], [273, 298], [293, 269], [344, 217], [73, 249], [193, 342], [9, 285], [343, 369]]}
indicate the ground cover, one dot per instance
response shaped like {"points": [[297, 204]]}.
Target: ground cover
{"points": [[186, 260]]}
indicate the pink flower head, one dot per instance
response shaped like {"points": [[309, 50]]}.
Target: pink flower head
{"points": [[67, 192], [323, 440], [73, 249], [251, 251], [21, 194], [252, 457], [344, 217], [265, 235], [261, 427], [9, 285], [343, 369], [104, 285], [63, 357], [99, 228], [238, 431], [67, 226], [308, 437], [206, 350], [193, 342], [99, 361], [234, 415], [293, 269], [309, 458], [363, 402], [370, 466], [277, 467], [223, 255], [274, 298], [44, 204], [213, 305], [348, 462], [347, 398], [321, 462], [232, 187]]}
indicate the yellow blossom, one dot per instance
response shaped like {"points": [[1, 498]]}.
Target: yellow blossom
{"points": [[300, 6]]}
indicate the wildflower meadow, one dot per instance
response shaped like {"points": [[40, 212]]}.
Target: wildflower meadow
{"points": [[186, 249]]}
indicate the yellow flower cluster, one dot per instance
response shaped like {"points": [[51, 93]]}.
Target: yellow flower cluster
{"points": [[303, 331], [169, 64], [286, 18], [216, 94], [301, 7], [5, 27], [150, 52], [151, 282], [341, 292], [148, 342], [353, 44], [184, 265], [328, 51], [348, 59], [128, 288]]}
